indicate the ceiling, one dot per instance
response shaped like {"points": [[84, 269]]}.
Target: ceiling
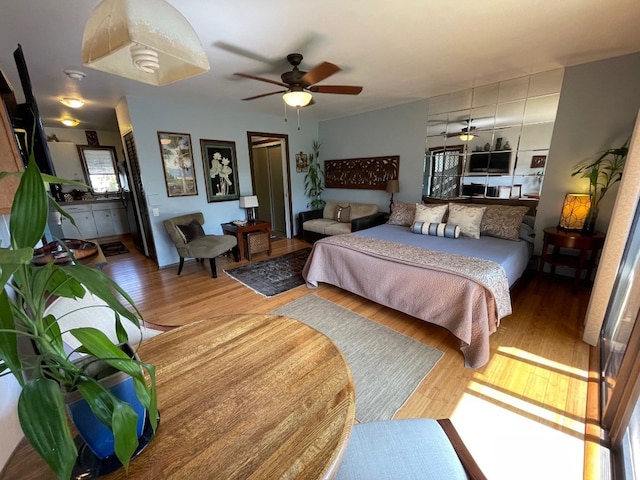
{"points": [[398, 51]]}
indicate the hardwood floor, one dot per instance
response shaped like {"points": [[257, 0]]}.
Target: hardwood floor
{"points": [[521, 415]]}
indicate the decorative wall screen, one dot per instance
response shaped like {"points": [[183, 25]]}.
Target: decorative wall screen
{"points": [[370, 173]]}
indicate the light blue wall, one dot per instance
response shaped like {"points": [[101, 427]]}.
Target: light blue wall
{"points": [[147, 117], [399, 130]]}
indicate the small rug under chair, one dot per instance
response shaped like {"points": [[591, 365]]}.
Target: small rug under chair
{"points": [[386, 366], [273, 276], [113, 248]]}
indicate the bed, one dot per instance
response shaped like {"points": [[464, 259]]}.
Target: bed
{"points": [[460, 284]]}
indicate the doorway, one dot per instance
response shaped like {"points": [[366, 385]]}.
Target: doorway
{"points": [[270, 179]]}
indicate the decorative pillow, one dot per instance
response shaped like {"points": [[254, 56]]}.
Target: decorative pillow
{"points": [[402, 213], [343, 214], [191, 232], [503, 221], [430, 213], [448, 230], [468, 218]]}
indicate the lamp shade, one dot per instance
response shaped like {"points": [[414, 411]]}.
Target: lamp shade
{"points": [[574, 211], [250, 201], [297, 98], [144, 40], [393, 186]]}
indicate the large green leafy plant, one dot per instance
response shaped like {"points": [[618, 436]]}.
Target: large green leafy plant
{"points": [[45, 376], [603, 171], [314, 179]]}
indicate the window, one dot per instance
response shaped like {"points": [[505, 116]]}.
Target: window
{"points": [[446, 168], [99, 165]]}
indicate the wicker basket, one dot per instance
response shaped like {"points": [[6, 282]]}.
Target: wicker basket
{"points": [[257, 242]]}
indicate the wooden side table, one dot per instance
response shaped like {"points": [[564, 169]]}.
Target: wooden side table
{"points": [[588, 244], [241, 231]]}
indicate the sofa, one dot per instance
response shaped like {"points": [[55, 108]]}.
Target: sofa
{"points": [[337, 218]]}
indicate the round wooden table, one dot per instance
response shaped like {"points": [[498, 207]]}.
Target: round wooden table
{"points": [[240, 396]]}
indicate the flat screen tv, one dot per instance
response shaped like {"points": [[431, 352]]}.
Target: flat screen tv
{"points": [[490, 162]]}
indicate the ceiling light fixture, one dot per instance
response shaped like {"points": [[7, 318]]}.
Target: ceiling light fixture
{"points": [[70, 122], [465, 137], [144, 40], [297, 98], [72, 102], [75, 74]]}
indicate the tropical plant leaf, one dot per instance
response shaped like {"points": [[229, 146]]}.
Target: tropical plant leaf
{"points": [[125, 422], [42, 418], [30, 209], [100, 400], [9, 338]]}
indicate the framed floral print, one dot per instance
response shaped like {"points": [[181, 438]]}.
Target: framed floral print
{"points": [[177, 164], [220, 170]]}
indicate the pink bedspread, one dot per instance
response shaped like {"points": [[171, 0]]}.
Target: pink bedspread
{"points": [[461, 305]]}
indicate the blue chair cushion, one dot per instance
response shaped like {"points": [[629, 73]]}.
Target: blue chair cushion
{"points": [[409, 449]]}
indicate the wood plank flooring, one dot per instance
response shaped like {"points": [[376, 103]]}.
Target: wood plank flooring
{"points": [[519, 415]]}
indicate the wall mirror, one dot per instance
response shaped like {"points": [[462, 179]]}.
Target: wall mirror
{"points": [[493, 140]]}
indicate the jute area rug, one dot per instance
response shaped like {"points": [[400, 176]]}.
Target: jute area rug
{"points": [[273, 276], [386, 366]]}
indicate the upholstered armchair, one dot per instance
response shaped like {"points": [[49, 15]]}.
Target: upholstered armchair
{"points": [[191, 241]]}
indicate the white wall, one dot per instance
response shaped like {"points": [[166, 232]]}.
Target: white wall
{"points": [[147, 117], [399, 130], [597, 110]]}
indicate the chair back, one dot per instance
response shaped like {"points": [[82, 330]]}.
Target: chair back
{"points": [[171, 225]]}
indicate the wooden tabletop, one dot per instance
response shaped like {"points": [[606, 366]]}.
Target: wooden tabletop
{"points": [[240, 396]]}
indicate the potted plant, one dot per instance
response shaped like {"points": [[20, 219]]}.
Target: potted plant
{"points": [[313, 180], [603, 173], [50, 374]]}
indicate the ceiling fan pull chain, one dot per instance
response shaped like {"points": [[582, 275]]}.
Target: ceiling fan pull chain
{"points": [[285, 112], [298, 113]]}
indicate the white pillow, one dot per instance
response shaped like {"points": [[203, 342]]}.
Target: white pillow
{"points": [[430, 213], [468, 218]]}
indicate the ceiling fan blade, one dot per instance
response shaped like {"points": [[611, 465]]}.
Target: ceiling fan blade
{"points": [[253, 77], [340, 89], [319, 73], [264, 95]]}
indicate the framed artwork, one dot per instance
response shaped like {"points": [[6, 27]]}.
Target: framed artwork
{"points": [[177, 164], [538, 161], [302, 162], [220, 170]]}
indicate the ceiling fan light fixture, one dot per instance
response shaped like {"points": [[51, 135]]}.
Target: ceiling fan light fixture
{"points": [[466, 137], [144, 40], [297, 98]]}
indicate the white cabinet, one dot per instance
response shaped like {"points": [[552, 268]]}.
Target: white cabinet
{"points": [[103, 219], [85, 223]]}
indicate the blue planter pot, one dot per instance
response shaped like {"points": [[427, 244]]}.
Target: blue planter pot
{"points": [[95, 434]]}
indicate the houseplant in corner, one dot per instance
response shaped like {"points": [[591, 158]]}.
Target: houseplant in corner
{"points": [[313, 180], [49, 373], [603, 173]]}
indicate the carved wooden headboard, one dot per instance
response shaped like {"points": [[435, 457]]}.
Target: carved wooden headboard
{"points": [[532, 204], [371, 173]]}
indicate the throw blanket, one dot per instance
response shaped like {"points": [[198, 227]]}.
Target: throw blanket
{"points": [[485, 272], [433, 286]]}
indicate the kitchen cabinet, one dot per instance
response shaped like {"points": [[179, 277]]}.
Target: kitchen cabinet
{"points": [[10, 161], [95, 220]]}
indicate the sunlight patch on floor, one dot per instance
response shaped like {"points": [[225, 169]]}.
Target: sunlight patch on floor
{"points": [[507, 445]]}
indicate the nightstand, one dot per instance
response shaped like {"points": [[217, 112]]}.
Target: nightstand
{"points": [[587, 244]]}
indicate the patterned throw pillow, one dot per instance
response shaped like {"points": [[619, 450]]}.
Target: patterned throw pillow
{"points": [[402, 213], [448, 230], [343, 214], [191, 232], [503, 221], [468, 218], [430, 213]]}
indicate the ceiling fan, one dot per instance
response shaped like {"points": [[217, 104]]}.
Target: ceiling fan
{"points": [[299, 84], [465, 134]]}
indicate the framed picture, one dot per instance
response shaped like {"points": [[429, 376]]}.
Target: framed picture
{"points": [[302, 162], [538, 161], [177, 164], [220, 170]]}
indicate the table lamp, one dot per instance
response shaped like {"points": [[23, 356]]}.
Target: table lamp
{"points": [[574, 211], [249, 203], [393, 186]]}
